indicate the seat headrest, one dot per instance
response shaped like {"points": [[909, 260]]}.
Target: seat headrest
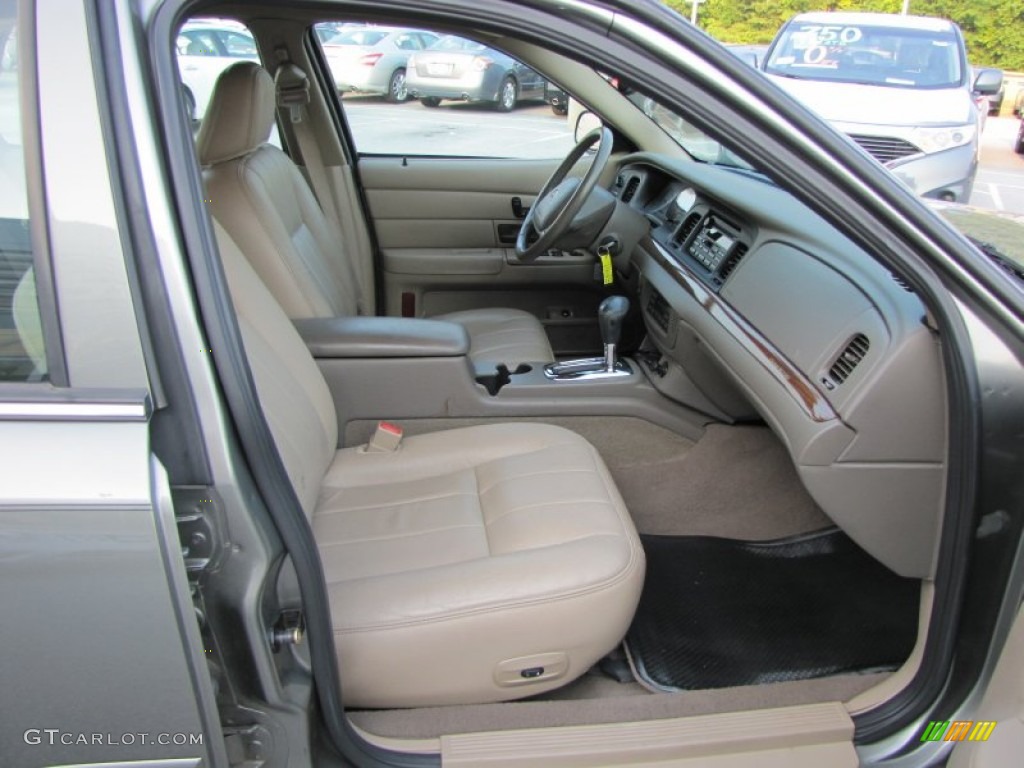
{"points": [[240, 114]]}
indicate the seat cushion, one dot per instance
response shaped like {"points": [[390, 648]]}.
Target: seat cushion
{"points": [[466, 557], [508, 336]]}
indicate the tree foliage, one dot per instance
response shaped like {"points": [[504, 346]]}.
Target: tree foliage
{"points": [[994, 29]]}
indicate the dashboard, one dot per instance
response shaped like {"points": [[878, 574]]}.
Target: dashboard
{"points": [[755, 307]]}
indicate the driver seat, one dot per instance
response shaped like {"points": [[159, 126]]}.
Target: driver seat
{"points": [[258, 195]]}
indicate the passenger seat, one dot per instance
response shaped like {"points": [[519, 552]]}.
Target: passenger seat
{"points": [[469, 566], [258, 194]]}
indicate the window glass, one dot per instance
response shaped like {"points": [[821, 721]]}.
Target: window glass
{"points": [[413, 92], [206, 47], [868, 54], [22, 354]]}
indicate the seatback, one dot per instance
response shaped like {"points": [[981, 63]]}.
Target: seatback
{"points": [[296, 401], [259, 196]]}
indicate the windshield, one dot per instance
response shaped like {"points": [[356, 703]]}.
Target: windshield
{"points": [[868, 55], [696, 143]]}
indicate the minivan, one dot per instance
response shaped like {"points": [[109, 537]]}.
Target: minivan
{"points": [[899, 86]]}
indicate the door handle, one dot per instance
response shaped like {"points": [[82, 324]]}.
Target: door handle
{"points": [[518, 209]]}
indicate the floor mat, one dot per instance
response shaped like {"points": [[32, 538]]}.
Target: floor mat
{"points": [[722, 612]]}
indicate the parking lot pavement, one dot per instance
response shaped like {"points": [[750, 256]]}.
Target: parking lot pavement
{"points": [[532, 130], [1000, 181]]}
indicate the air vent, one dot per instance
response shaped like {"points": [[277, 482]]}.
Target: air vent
{"points": [[732, 262], [886, 149], [658, 310], [631, 187], [684, 232], [849, 358]]}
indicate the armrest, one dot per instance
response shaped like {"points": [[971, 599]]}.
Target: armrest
{"points": [[362, 337]]}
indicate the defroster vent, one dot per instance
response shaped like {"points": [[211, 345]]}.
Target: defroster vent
{"points": [[849, 359]]}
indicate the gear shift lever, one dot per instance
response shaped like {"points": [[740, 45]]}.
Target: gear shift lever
{"points": [[610, 315]]}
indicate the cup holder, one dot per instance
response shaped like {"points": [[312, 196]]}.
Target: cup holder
{"points": [[493, 382]]}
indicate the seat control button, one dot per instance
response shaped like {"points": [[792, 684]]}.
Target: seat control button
{"points": [[532, 672]]}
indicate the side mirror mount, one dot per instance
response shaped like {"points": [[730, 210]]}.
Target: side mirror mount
{"points": [[988, 81]]}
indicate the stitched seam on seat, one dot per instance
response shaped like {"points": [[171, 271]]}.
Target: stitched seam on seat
{"points": [[381, 505], [500, 607], [409, 535], [483, 514], [246, 160], [496, 483], [540, 504]]}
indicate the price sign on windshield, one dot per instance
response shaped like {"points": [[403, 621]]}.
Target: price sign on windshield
{"points": [[815, 45]]}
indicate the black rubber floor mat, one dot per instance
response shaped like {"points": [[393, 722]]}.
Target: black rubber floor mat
{"points": [[720, 612]]}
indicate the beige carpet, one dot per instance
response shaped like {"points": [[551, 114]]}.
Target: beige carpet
{"points": [[736, 482]]}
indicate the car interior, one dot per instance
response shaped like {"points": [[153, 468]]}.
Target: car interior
{"points": [[700, 473]]}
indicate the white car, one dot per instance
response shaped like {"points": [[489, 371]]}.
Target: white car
{"points": [[205, 49]]}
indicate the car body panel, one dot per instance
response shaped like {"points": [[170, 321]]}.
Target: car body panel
{"points": [[364, 59], [455, 68]]}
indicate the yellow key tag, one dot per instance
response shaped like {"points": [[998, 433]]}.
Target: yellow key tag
{"points": [[607, 273]]}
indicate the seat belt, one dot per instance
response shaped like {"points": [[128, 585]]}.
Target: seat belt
{"points": [[292, 87]]}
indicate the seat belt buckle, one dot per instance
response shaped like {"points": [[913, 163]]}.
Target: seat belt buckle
{"points": [[386, 438]]}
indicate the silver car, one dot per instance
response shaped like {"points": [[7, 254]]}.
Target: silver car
{"points": [[465, 70], [373, 59], [899, 86]]}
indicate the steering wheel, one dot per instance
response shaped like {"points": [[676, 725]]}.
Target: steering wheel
{"points": [[562, 198]]}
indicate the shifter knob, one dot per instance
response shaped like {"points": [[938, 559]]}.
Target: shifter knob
{"points": [[610, 316]]}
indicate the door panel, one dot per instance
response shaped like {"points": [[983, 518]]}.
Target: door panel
{"points": [[446, 229]]}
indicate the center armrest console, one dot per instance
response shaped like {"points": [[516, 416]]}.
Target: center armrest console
{"points": [[382, 337]]}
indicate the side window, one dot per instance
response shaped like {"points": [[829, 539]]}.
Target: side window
{"points": [[441, 95], [22, 351], [205, 48]]}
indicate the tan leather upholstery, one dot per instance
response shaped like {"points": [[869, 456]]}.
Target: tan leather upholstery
{"points": [[502, 336], [457, 561], [265, 203]]}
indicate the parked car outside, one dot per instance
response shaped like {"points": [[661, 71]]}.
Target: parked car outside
{"points": [[1018, 145], [464, 70], [205, 49], [374, 59], [897, 85]]}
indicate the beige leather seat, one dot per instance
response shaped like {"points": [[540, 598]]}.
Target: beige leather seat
{"points": [[265, 203], [475, 565]]}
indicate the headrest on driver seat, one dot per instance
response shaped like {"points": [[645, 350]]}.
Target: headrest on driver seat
{"points": [[240, 114]]}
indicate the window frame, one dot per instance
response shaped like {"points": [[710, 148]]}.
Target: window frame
{"points": [[38, 226]]}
